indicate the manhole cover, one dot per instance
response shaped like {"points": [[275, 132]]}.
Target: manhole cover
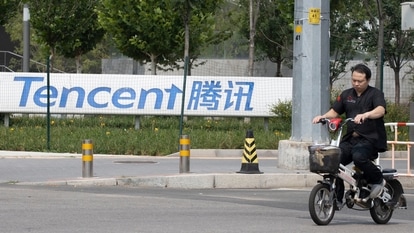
{"points": [[135, 161]]}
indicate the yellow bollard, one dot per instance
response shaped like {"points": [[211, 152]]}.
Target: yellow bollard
{"points": [[87, 158], [184, 154]]}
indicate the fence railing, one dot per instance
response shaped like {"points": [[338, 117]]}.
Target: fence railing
{"points": [[394, 127], [7, 55]]}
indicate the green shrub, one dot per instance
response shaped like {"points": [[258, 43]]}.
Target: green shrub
{"points": [[397, 113], [156, 136], [283, 110]]}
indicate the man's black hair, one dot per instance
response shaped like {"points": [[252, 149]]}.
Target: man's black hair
{"points": [[363, 69]]}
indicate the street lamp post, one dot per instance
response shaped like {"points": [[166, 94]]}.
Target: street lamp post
{"points": [[26, 38]]}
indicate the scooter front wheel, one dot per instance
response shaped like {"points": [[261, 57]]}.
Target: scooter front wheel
{"points": [[321, 206]]}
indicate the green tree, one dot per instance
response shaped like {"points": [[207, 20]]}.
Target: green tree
{"points": [[254, 12], [7, 10], [274, 32], [398, 44], [162, 32], [343, 31], [375, 11], [143, 30], [227, 19], [39, 50], [199, 23], [275, 28], [248, 20], [397, 49], [14, 27], [85, 31], [66, 26]]}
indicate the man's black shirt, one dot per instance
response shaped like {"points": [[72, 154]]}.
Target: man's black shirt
{"points": [[351, 104]]}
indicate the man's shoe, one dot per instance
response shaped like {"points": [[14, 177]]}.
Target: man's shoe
{"points": [[338, 205], [376, 189]]}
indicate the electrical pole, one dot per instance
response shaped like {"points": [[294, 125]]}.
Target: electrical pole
{"points": [[311, 89]]}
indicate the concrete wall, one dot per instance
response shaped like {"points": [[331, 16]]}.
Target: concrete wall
{"points": [[121, 66]]}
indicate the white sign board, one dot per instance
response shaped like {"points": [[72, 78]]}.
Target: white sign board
{"points": [[141, 94]]}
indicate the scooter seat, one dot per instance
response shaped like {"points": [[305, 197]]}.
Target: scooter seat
{"points": [[389, 170]]}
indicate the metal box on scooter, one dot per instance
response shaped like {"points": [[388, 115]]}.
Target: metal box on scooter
{"points": [[324, 158]]}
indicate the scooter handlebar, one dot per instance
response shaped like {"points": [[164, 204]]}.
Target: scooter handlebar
{"points": [[335, 123]]}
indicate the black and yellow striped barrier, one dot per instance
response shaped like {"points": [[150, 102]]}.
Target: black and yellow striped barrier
{"points": [[87, 158], [184, 153], [250, 162]]}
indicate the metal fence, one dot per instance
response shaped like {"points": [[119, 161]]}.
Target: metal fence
{"points": [[394, 127]]}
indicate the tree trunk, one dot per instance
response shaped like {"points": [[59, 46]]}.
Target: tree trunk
{"points": [[187, 37], [189, 67], [380, 44], [253, 15], [78, 64], [397, 86], [153, 64], [278, 69], [52, 54]]}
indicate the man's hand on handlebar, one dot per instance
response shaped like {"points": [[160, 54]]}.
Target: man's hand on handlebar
{"points": [[317, 119], [360, 118], [328, 115]]}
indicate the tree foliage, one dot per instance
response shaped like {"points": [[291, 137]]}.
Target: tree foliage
{"points": [[200, 29], [397, 48], [343, 31], [154, 31], [227, 19], [143, 30], [274, 32], [398, 44], [85, 32], [66, 26], [7, 10], [275, 29], [248, 21]]}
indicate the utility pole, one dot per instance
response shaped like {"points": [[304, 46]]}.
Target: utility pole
{"points": [[311, 89]]}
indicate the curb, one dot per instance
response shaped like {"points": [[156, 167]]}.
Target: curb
{"points": [[208, 181], [196, 181]]}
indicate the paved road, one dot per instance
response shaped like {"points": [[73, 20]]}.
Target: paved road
{"points": [[108, 209]]}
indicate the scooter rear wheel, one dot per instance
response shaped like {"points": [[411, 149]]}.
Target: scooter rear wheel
{"points": [[380, 212], [321, 207]]}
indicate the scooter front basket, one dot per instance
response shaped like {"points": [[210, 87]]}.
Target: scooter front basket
{"points": [[324, 158]]}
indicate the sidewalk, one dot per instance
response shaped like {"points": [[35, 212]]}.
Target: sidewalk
{"points": [[208, 169]]}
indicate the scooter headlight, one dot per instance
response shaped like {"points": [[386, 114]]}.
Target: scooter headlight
{"points": [[334, 124]]}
